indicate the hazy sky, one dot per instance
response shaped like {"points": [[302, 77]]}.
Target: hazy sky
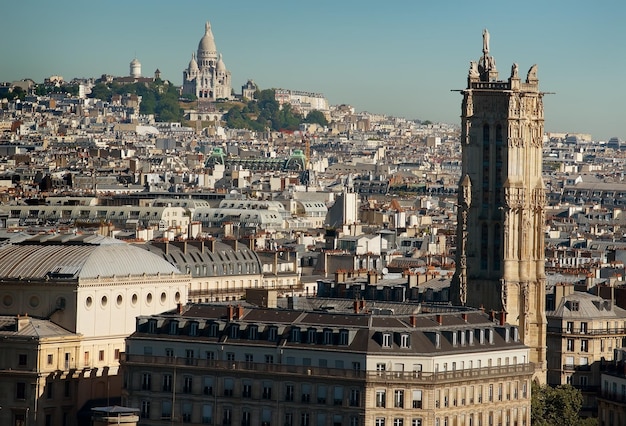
{"points": [[401, 58]]}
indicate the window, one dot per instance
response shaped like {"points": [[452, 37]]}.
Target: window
{"points": [[355, 398], [404, 341], [245, 418], [166, 410], [321, 394], [418, 422], [398, 398], [584, 345], [304, 419], [50, 390], [50, 359], [229, 385], [417, 399], [101, 355], [167, 383], [570, 327], [289, 393], [146, 381], [380, 368], [189, 356], [343, 337], [583, 327], [269, 359], [328, 337], [570, 344], [174, 327], [116, 354], [306, 393], [187, 384], [246, 390], [386, 340], [169, 353], [272, 334], [490, 393], [22, 360], [398, 421], [193, 328], [67, 390], [288, 419], [145, 409], [381, 398], [267, 390], [249, 358], [207, 387], [230, 356], [227, 416], [20, 390], [380, 421], [338, 395], [356, 366], [575, 305], [207, 414]]}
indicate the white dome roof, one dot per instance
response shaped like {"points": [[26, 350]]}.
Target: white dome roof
{"points": [[207, 42]]}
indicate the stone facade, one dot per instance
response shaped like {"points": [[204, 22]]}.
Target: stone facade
{"points": [[500, 254], [206, 77]]}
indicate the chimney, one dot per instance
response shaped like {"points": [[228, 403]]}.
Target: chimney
{"points": [[239, 312], [502, 317], [439, 318], [491, 315], [230, 312], [199, 244], [21, 322], [464, 316], [362, 305], [413, 320], [212, 245], [357, 306], [179, 308]]}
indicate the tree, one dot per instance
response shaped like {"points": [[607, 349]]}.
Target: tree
{"points": [[557, 406], [316, 116]]}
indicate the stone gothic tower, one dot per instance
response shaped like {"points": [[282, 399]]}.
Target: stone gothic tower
{"points": [[500, 232]]}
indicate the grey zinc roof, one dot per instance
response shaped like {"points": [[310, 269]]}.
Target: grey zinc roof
{"points": [[31, 327], [589, 307], [72, 257]]}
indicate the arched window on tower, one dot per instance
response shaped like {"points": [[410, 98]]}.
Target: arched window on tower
{"points": [[497, 247], [499, 166], [484, 244], [485, 187]]}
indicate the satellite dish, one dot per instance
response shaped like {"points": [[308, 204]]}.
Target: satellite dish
{"points": [[385, 271]]}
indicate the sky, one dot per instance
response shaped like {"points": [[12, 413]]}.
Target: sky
{"points": [[401, 58]]}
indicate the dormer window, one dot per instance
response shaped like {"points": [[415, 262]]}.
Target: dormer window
{"points": [[234, 331], [174, 327], [310, 335], [272, 334], [574, 305], [386, 340], [295, 335], [193, 329], [213, 329], [343, 337], [328, 337], [405, 341], [253, 332], [152, 325]]}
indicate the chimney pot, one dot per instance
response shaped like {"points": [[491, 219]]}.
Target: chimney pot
{"points": [[230, 312], [439, 318]]}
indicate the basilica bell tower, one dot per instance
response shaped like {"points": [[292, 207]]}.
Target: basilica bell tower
{"points": [[500, 260]]}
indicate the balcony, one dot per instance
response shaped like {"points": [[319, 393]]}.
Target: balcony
{"points": [[150, 361]]}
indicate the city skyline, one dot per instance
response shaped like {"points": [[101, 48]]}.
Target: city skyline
{"points": [[401, 59]]}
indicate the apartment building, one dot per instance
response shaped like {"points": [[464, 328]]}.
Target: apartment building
{"points": [[217, 364]]}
